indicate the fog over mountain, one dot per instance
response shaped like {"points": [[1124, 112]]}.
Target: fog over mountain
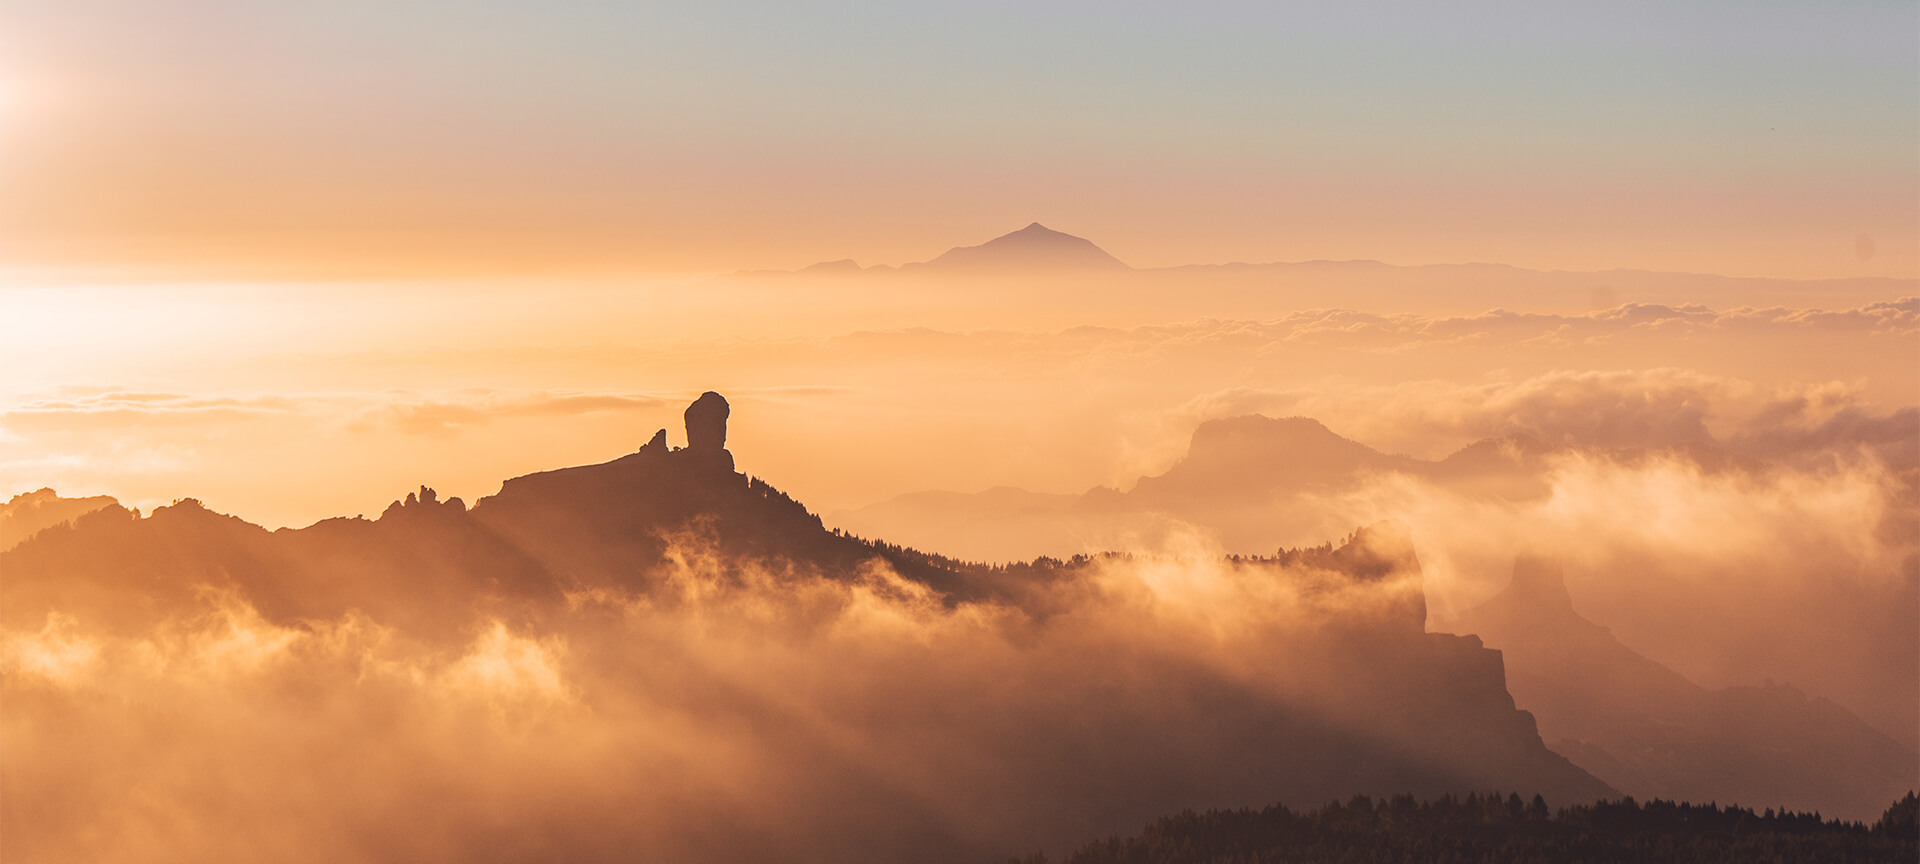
{"points": [[663, 638], [28, 513], [1737, 561], [1653, 734], [1219, 505], [1152, 433]]}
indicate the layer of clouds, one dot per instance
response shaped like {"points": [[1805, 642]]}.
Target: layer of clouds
{"points": [[412, 412], [754, 717], [1793, 564], [444, 413], [1660, 407], [1733, 577], [132, 409]]}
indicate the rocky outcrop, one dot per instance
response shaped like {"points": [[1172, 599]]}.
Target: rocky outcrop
{"points": [[707, 422], [707, 434], [1652, 733], [425, 500], [1338, 689]]}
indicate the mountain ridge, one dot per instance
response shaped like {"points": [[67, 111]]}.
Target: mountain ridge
{"points": [[1654, 734], [1378, 704], [1233, 466]]}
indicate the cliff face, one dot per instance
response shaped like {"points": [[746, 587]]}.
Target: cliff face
{"points": [[1652, 733], [1053, 698]]}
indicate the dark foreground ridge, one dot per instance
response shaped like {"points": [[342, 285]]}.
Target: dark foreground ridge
{"points": [[1478, 829], [1053, 700]]}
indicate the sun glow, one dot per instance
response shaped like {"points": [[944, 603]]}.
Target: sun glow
{"points": [[15, 96]]}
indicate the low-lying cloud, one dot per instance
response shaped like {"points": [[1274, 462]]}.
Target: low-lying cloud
{"points": [[753, 714]]}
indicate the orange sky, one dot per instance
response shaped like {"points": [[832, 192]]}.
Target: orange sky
{"points": [[299, 259], [226, 140], [296, 260]]}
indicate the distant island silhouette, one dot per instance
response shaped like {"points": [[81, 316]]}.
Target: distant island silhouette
{"points": [[1035, 247], [1039, 252]]}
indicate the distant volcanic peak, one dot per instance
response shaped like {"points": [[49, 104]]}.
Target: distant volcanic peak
{"points": [[1033, 247], [1038, 233], [844, 265]]}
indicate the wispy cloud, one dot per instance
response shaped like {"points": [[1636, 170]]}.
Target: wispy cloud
{"points": [[441, 414]]}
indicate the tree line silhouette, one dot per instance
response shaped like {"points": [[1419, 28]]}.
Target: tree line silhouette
{"points": [[1483, 829]]}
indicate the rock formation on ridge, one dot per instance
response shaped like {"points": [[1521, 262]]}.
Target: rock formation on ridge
{"points": [[1339, 690], [1652, 733]]}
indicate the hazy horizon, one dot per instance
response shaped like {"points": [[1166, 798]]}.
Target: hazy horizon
{"points": [[402, 139], [450, 363], [1290, 404]]}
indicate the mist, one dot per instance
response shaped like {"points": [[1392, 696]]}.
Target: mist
{"points": [[730, 713], [1729, 488], [367, 397], [345, 352], [1737, 534]]}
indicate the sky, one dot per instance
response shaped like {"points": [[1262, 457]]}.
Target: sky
{"points": [[296, 260], [210, 209], [233, 140]]}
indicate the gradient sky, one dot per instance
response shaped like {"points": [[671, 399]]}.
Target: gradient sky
{"points": [[297, 259], [404, 136]]}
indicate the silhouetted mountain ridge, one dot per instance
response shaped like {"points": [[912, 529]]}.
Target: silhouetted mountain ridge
{"points": [[1652, 733], [1382, 706]]}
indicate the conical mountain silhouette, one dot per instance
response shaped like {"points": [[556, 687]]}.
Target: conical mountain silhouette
{"points": [[1035, 247], [1652, 733]]}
